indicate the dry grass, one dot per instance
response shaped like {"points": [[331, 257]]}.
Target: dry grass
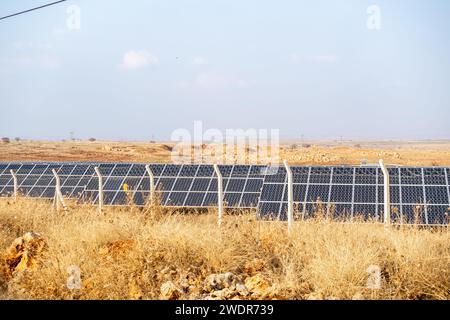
{"points": [[127, 254], [428, 153]]}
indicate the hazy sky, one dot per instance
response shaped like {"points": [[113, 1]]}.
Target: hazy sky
{"points": [[141, 69]]}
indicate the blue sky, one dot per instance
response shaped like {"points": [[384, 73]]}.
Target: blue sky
{"points": [[141, 69]]}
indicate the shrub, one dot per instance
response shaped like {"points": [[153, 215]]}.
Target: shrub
{"points": [[92, 140], [6, 140]]}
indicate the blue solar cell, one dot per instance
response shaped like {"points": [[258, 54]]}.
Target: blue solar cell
{"points": [[195, 199], [269, 210], [365, 194], [341, 211], [257, 171], [341, 193], [30, 180], [182, 184], [123, 198], [249, 200], [342, 176], [320, 175], [272, 192], [411, 176], [413, 214], [79, 169], [36, 192], [436, 195], [205, 171], [240, 171], [140, 198], [176, 199], [366, 176], [318, 192], [434, 176], [39, 169], [171, 170], [121, 170], [300, 174], [225, 170], [69, 181], [210, 199], [280, 177], [157, 169], [365, 211], [253, 185], [235, 185], [200, 184], [138, 170], [165, 184], [232, 199], [412, 194], [113, 184], [106, 168], [438, 215], [188, 170], [25, 169], [213, 185]]}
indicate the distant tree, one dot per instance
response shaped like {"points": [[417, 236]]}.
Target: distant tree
{"points": [[17, 139], [92, 140], [6, 140]]}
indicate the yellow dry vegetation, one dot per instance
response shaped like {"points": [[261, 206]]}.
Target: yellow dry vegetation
{"points": [[128, 253]]}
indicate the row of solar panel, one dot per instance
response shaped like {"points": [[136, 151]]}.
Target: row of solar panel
{"points": [[337, 193], [352, 189], [423, 214]]}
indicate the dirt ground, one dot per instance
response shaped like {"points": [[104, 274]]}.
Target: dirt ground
{"points": [[420, 153]]}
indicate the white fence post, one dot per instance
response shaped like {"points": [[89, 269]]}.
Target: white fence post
{"points": [[16, 188], [100, 189], [290, 213], [152, 184], [58, 194], [219, 193], [387, 194]]}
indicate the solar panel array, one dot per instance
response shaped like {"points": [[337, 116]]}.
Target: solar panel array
{"points": [[417, 194]]}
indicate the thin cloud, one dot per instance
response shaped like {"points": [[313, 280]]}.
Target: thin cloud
{"points": [[199, 61], [138, 59]]}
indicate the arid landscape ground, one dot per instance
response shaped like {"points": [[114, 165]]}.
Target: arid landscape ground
{"points": [[130, 253], [419, 153]]}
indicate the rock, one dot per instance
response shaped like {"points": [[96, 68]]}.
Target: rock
{"points": [[215, 282], [169, 291], [24, 253], [242, 290], [257, 284], [224, 294]]}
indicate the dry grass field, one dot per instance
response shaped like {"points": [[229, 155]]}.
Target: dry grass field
{"points": [[152, 254], [431, 153], [155, 253]]}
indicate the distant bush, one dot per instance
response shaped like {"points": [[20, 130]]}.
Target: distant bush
{"points": [[17, 139], [92, 140], [306, 145], [6, 140]]}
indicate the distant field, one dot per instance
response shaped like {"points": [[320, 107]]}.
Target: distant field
{"points": [[423, 153]]}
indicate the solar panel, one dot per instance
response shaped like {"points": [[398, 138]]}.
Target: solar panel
{"points": [[417, 194]]}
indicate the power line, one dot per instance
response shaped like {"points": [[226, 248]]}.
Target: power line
{"points": [[40, 7]]}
